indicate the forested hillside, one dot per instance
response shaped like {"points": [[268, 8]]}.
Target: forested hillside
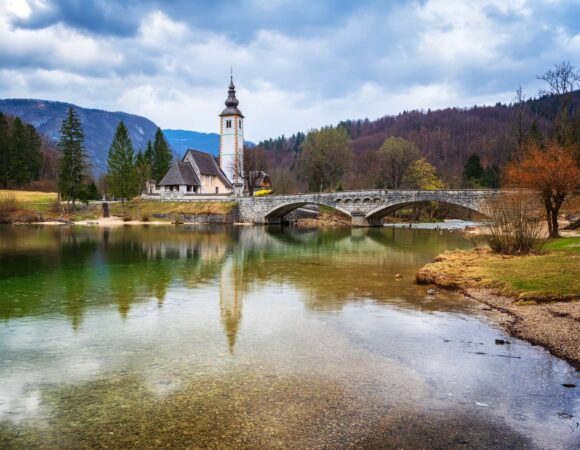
{"points": [[98, 126], [446, 138]]}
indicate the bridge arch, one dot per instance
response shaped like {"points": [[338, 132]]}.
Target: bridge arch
{"points": [[376, 214], [276, 213]]}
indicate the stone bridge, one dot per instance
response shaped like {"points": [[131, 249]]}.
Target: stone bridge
{"points": [[366, 208]]}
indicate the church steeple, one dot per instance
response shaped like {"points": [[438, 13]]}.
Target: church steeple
{"points": [[232, 140], [232, 102]]}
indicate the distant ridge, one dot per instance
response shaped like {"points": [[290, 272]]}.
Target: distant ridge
{"points": [[181, 140], [98, 125]]}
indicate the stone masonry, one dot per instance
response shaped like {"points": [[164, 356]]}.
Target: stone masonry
{"points": [[366, 208]]}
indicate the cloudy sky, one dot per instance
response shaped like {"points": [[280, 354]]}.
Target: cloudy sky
{"points": [[297, 64]]}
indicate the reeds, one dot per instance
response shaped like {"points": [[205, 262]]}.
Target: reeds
{"points": [[515, 227]]}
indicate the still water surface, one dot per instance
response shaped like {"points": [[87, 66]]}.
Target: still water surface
{"points": [[251, 337]]}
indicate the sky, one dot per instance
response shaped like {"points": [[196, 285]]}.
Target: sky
{"points": [[297, 64]]}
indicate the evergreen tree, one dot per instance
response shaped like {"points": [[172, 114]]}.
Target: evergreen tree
{"points": [[18, 145], [161, 156], [491, 177], [121, 169], [473, 171], [142, 170], [535, 135], [149, 155], [33, 153], [88, 192], [72, 164], [5, 153]]}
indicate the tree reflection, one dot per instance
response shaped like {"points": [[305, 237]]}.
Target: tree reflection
{"points": [[71, 270]]}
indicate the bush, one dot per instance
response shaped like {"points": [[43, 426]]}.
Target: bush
{"points": [[8, 206], [515, 227], [262, 192]]}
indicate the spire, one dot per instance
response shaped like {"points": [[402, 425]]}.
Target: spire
{"points": [[231, 102]]}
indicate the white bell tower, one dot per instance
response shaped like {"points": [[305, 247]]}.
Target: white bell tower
{"points": [[232, 140]]}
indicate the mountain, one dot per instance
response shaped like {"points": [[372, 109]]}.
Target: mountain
{"points": [[181, 140], [98, 125]]}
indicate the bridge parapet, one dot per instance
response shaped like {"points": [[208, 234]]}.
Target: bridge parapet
{"points": [[365, 207]]}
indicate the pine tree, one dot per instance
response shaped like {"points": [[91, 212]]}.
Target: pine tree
{"points": [[5, 153], [161, 156], [149, 155], [72, 163], [121, 169], [535, 135], [491, 177], [33, 153], [142, 169], [473, 171], [18, 146]]}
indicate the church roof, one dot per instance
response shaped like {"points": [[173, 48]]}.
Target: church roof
{"points": [[232, 102], [180, 173], [207, 165]]}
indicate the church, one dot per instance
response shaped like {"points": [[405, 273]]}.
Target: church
{"points": [[199, 173]]}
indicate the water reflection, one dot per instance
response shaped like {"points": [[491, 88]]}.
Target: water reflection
{"points": [[256, 337], [73, 270]]}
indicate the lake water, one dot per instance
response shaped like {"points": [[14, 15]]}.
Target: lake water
{"points": [[255, 337]]}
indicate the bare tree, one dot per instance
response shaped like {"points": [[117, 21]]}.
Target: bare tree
{"points": [[255, 162], [562, 79], [284, 181]]}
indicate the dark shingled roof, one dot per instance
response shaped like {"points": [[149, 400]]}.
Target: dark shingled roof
{"points": [[232, 102], [180, 173], [207, 165]]}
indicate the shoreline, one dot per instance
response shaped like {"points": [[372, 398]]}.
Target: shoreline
{"points": [[552, 322], [553, 326]]}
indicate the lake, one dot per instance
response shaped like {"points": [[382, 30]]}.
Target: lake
{"points": [[258, 337]]}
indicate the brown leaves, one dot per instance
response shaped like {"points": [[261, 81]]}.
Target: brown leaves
{"points": [[551, 169]]}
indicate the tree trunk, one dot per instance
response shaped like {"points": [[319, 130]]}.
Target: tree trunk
{"points": [[558, 200]]}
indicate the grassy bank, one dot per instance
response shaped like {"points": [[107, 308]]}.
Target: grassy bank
{"points": [[27, 206], [553, 275], [146, 210]]}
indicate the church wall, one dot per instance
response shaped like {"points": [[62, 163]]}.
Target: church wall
{"points": [[209, 183]]}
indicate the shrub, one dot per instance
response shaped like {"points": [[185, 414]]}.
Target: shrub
{"points": [[515, 227], [262, 192], [8, 206]]}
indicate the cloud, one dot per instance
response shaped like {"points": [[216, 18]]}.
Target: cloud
{"points": [[297, 64]]}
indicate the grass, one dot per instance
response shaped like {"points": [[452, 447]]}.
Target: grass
{"points": [[140, 209], [36, 201], [553, 275], [569, 244]]}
